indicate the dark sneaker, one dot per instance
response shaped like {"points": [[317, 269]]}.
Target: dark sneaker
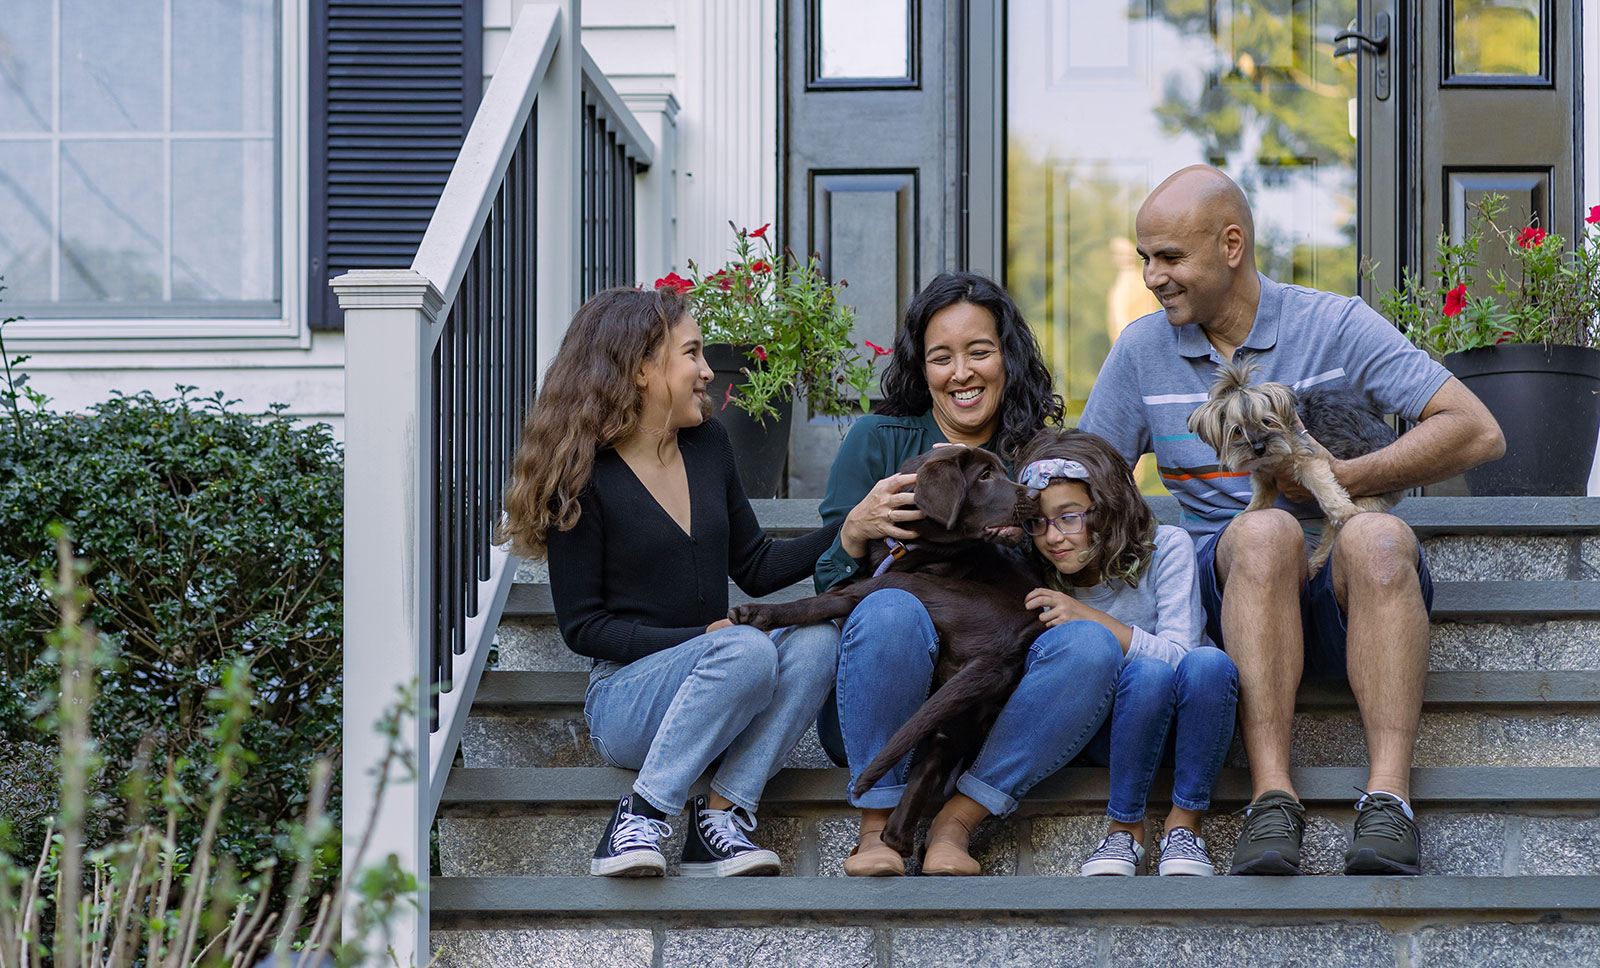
{"points": [[1183, 853], [1118, 855], [1385, 840], [628, 847], [1270, 840], [716, 845]]}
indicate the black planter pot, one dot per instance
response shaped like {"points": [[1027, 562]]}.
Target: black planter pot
{"points": [[762, 448], [1547, 399]]}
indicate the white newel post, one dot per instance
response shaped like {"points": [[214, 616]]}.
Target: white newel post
{"points": [[560, 228], [655, 203], [389, 336]]}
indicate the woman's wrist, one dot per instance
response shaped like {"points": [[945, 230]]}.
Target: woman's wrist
{"points": [[853, 543]]}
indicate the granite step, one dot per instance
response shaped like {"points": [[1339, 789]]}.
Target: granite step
{"points": [[535, 719], [1422, 922]]}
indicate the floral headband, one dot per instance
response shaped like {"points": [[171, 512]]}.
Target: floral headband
{"points": [[1038, 475]]}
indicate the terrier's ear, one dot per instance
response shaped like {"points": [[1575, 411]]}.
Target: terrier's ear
{"points": [[941, 489], [1206, 423]]}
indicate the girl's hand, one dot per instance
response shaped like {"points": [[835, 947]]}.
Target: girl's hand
{"points": [[718, 626], [881, 514], [1057, 606]]}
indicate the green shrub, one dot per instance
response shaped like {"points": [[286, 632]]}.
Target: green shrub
{"points": [[210, 536]]}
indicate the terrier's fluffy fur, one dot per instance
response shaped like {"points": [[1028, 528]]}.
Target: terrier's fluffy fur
{"points": [[1252, 428]]}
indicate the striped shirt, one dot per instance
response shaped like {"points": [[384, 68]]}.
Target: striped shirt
{"points": [[1157, 374]]}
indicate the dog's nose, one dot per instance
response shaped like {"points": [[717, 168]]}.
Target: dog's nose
{"points": [[1259, 448]]}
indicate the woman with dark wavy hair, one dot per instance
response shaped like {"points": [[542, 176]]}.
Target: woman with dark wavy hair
{"points": [[630, 490], [965, 370]]}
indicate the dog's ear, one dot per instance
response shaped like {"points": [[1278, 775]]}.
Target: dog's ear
{"points": [[942, 487], [1206, 423]]}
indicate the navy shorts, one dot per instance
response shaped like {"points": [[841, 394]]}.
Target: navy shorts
{"points": [[1321, 620]]}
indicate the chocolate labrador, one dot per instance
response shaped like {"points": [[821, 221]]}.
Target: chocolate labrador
{"points": [[973, 584]]}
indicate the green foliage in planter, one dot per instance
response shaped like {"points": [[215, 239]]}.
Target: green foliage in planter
{"points": [[1551, 294], [210, 536], [791, 317]]}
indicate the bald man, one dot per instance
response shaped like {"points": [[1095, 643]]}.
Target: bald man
{"points": [[1364, 615]]}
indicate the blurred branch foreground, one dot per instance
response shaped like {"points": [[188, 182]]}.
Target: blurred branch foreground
{"points": [[146, 900]]}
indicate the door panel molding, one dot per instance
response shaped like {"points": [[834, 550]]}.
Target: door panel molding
{"points": [[872, 235]]}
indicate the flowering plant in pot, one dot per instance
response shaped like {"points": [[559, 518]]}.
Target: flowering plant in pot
{"points": [[1525, 338], [775, 333]]}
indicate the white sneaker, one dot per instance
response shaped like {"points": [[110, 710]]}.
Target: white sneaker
{"points": [[1119, 855], [1184, 853]]}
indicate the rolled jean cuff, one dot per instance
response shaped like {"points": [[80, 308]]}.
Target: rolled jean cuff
{"points": [[738, 801], [878, 798], [658, 802], [1184, 804], [1121, 817], [992, 800]]}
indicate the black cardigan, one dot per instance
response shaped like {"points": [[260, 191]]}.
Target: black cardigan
{"points": [[627, 582]]}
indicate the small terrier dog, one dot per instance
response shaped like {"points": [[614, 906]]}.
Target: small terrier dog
{"points": [[1252, 428]]}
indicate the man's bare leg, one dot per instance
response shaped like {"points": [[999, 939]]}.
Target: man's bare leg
{"points": [[1261, 568], [1375, 580]]}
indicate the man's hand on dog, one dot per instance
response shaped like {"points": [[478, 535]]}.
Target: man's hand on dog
{"points": [[1057, 606], [881, 514]]}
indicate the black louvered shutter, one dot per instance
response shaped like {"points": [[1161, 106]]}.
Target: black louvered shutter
{"points": [[394, 85]]}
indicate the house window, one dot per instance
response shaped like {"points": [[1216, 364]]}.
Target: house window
{"points": [[141, 160]]}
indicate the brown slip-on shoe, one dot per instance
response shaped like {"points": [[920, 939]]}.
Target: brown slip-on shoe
{"points": [[873, 858], [946, 859]]}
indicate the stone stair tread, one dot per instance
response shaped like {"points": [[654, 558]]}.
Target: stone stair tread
{"points": [[462, 899], [511, 691], [1426, 515], [574, 787], [1452, 600]]}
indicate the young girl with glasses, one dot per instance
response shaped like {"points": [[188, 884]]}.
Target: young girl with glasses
{"points": [[631, 491], [1107, 561]]}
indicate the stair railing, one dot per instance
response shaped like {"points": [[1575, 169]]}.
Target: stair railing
{"points": [[440, 369]]}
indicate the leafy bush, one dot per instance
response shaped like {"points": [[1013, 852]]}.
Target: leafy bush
{"points": [[210, 536]]}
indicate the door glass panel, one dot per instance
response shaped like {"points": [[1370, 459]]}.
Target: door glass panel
{"points": [[1105, 98], [863, 39], [1497, 37]]}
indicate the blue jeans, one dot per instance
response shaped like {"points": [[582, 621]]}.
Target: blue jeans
{"points": [[886, 660], [1200, 695], [735, 692]]}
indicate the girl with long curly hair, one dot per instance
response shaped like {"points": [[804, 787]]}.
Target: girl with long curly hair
{"points": [[631, 492], [1107, 564]]}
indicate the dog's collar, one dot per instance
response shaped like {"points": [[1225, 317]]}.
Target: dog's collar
{"points": [[897, 550]]}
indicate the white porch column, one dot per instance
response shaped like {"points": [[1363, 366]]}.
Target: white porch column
{"points": [[560, 232], [389, 336], [655, 200]]}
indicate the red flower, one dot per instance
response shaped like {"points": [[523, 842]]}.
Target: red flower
{"points": [[674, 282], [761, 233], [761, 353], [720, 277], [1594, 216], [1455, 300], [760, 265], [1530, 237], [1506, 336], [876, 349]]}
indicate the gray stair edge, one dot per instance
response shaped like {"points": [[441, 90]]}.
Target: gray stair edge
{"points": [[1452, 600], [513, 691], [605, 898], [526, 787], [1427, 516]]}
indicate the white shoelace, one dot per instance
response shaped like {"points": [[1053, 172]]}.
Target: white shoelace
{"points": [[725, 829], [635, 832]]}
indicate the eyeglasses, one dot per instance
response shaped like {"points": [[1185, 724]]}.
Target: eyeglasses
{"points": [[1069, 523]]}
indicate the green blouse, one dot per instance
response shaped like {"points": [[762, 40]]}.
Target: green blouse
{"points": [[875, 448]]}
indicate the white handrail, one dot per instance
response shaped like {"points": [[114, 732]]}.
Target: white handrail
{"points": [[464, 205], [609, 105]]}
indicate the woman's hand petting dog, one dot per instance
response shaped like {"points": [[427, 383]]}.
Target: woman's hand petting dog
{"points": [[881, 514], [1058, 607]]}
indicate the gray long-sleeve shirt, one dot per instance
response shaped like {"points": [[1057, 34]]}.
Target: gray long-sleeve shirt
{"points": [[1164, 611]]}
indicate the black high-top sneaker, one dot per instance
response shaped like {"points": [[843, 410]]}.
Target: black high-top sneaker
{"points": [[628, 846], [716, 845]]}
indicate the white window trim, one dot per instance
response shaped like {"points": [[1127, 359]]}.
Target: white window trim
{"points": [[286, 331]]}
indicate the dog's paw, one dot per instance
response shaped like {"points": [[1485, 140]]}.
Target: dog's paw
{"points": [[752, 615]]}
